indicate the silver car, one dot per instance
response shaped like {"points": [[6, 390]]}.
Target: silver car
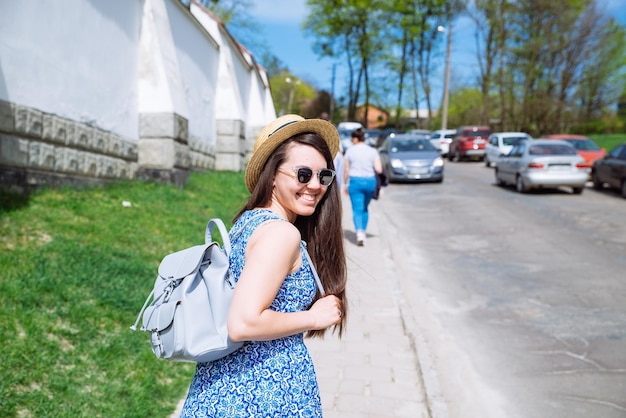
{"points": [[542, 164], [411, 157]]}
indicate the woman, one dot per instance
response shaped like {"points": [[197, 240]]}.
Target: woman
{"points": [[361, 166], [290, 176]]}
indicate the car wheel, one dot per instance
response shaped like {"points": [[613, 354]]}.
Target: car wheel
{"points": [[577, 190], [624, 188], [520, 186], [597, 184]]}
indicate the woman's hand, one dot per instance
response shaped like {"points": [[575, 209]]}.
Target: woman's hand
{"points": [[327, 311]]}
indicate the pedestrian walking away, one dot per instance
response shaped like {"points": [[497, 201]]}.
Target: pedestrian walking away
{"points": [[294, 206], [361, 166]]}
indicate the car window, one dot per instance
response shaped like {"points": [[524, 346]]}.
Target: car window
{"points": [[512, 140], [551, 149], [412, 145], [516, 151], [618, 152], [584, 144], [477, 133]]}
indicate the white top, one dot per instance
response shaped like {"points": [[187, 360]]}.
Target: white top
{"points": [[361, 158]]}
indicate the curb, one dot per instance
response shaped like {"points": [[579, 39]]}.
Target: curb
{"points": [[425, 366]]}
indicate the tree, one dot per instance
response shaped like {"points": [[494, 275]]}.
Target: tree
{"points": [[548, 63], [349, 29], [464, 107], [291, 94]]}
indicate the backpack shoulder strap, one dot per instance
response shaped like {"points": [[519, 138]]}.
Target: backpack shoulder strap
{"points": [[317, 277], [208, 234]]}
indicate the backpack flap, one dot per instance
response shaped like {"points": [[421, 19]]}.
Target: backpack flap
{"points": [[182, 263]]}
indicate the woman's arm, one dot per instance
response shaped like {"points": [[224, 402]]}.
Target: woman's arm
{"points": [[378, 166], [346, 175], [272, 253]]}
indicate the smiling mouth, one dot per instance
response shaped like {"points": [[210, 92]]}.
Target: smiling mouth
{"points": [[307, 197]]}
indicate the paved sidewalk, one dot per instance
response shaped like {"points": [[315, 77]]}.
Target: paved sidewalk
{"points": [[374, 370]]}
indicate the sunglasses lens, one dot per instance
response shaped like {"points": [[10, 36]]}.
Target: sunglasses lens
{"points": [[326, 177], [304, 175]]}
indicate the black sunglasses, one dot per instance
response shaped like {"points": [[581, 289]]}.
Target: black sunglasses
{"points": [[304, 175]]}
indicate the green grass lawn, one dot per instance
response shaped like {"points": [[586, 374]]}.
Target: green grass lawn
{"points": [[76, 267], [608, 141]]}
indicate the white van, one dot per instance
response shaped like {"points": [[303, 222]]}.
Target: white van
{"points": [[501, 143], [349, 126], [345, 133], [441, 140]]}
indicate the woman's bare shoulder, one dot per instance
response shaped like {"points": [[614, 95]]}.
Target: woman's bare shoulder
{"points": [[278, 232]]}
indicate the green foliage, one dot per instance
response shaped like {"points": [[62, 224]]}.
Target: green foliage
{"points": [[608, 141], [76, 268], [290, 94], [464, 108]]}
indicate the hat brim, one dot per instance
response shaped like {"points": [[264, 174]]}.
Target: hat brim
{"points": [[260, 155]]}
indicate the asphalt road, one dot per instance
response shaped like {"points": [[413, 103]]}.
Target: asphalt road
{"points": [[517, 301]]}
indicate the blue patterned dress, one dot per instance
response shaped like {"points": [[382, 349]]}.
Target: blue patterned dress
{"points": [[264, 378]]}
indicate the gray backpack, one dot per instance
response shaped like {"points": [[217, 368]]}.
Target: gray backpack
{"points": [[190, 301]]}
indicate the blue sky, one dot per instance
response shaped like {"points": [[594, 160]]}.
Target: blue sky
{"points": [[280, 22]]}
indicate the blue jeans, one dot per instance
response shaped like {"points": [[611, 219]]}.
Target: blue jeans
{"points": [[361, 190]]}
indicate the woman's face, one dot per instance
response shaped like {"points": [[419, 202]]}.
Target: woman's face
{"points": [[293, 197]]}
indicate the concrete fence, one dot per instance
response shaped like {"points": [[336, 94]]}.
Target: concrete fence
{"points": [[101, 90]]}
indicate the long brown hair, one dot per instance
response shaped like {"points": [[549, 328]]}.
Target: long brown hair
{"points": [[322, 231]]}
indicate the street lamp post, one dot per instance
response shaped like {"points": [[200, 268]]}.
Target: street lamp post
{"points": [[446, 80]]}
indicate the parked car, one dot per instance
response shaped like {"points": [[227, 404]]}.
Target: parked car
{"points": [[611, 170], [542, 164], [585, 147], [349, 126], [345, 137], [407, 157], [419, 132], [469, 142], [388, 133], [345, 130], [441, 140], [371, 137], [500, 143]]}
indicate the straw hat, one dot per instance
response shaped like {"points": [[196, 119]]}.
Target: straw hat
{"points": [[278, 132]]}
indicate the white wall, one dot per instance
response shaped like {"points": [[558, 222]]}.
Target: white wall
{"points": [[73, 58], [198, 59], [95, 89]]}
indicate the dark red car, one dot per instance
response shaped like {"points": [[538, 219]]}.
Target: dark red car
{"points": [[469, 143]]}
